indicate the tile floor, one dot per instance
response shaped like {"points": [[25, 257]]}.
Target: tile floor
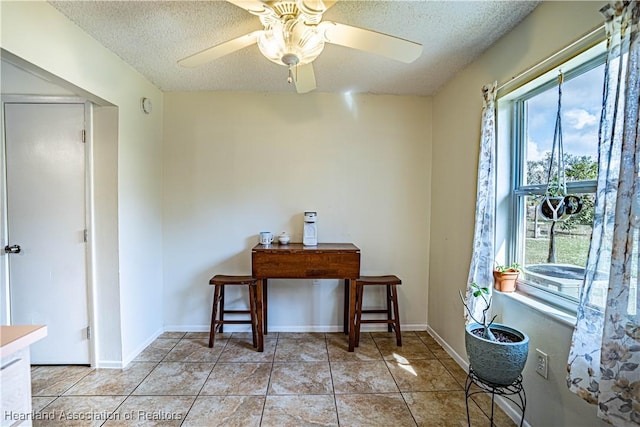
{"points": [[301, 379]]}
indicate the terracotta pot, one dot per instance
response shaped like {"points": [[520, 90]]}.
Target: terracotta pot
{"points": [[505, 281]]}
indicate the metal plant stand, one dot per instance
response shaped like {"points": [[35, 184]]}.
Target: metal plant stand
{"points": [[507, 391]]}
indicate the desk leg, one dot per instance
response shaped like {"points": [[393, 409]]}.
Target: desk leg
{"points": [[346, 307], [265, 305], [260, 312], [352, 314]]}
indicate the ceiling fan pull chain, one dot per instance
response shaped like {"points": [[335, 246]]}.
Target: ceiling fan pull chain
{"points": [[291, 77]]}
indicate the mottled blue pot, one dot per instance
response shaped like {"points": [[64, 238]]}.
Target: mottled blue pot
{"points": [[496, 362]]}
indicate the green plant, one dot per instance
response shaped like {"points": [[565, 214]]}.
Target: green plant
{"points": [[481, 292], [511, 268], [554, 189]]}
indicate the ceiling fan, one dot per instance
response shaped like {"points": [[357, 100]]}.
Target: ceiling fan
{"points": [[294, 36]]}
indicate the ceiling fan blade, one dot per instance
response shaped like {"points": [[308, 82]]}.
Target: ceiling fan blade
{"points": [[371, 41], [217, 51], [304, 78], [329, 3], [254, 6]]}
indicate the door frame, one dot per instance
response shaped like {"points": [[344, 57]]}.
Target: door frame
{"points": [[5, 289]]}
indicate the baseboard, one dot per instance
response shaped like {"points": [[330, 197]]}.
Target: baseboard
{"points": [[109, 364], [191, 328], [503, 403], [291, 328], [141, 347], [455, 356]]}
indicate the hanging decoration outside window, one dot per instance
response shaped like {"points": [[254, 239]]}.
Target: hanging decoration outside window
{"points": [[556, 204]]}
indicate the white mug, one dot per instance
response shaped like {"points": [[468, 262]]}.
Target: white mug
{"points": [[266, 238]]}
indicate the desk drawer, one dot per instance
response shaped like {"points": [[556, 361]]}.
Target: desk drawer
{"points": [[15, 377], [319, 265]]}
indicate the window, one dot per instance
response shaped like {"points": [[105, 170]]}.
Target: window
{"points": [[553, 254]]}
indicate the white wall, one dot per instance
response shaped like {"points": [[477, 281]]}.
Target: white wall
{"points": [[236, 164], [106, 296], [456, 118], [38, 34], [16, 81]]}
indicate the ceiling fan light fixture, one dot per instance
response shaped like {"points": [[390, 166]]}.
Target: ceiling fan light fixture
{"points": [[290, 60], [294, 35], [313, 9], [280, 41]]}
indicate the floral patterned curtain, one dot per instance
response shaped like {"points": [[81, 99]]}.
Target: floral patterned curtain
{"points": [[604, 360], [481, 269]]}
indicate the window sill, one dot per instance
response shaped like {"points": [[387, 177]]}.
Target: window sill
{"points": [[550, 311]]}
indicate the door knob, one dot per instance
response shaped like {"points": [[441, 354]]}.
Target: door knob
{"points": [[13, 249]]}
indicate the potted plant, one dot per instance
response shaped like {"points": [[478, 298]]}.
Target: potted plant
{"points": [[505, 277], [497, 353]]}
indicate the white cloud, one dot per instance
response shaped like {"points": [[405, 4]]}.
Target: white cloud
{"points": [[583, 143], [579, 118], [533, 152]]}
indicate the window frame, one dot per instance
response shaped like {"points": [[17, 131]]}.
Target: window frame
{"points": [[583, 56]]}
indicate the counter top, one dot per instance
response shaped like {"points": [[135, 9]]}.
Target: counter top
{"points": [[17, 337], [299, 247]]}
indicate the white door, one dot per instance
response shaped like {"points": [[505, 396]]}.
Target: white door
{"points": [[45, 165]]}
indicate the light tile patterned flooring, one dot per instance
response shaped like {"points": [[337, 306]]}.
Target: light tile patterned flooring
{"points": [[301, 379]]}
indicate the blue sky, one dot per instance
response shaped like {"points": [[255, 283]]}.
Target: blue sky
{"points": [[581, 106]]}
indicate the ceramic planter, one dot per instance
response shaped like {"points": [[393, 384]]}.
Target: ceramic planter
{"points": [[505, 281], [499, 363]]}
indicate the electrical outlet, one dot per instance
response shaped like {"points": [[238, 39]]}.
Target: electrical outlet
{"points": [[542, 363]]}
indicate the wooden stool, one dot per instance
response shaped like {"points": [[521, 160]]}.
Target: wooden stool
{"points": [[255, 307], [391, 310]]}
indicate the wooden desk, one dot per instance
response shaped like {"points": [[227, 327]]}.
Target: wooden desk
{"points": [[296, 261], [15, 372]]}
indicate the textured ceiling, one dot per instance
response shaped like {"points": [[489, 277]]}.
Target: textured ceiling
{"points": [[152, 36]]}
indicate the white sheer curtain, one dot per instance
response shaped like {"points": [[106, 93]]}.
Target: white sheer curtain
{"points": [[604, 360], [481, 269]]}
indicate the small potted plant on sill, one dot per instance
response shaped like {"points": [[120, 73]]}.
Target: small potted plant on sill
{"points": [[497, 353], [505, 277]]}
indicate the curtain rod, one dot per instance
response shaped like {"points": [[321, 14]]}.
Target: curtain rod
{"points": [[585, 42]]}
